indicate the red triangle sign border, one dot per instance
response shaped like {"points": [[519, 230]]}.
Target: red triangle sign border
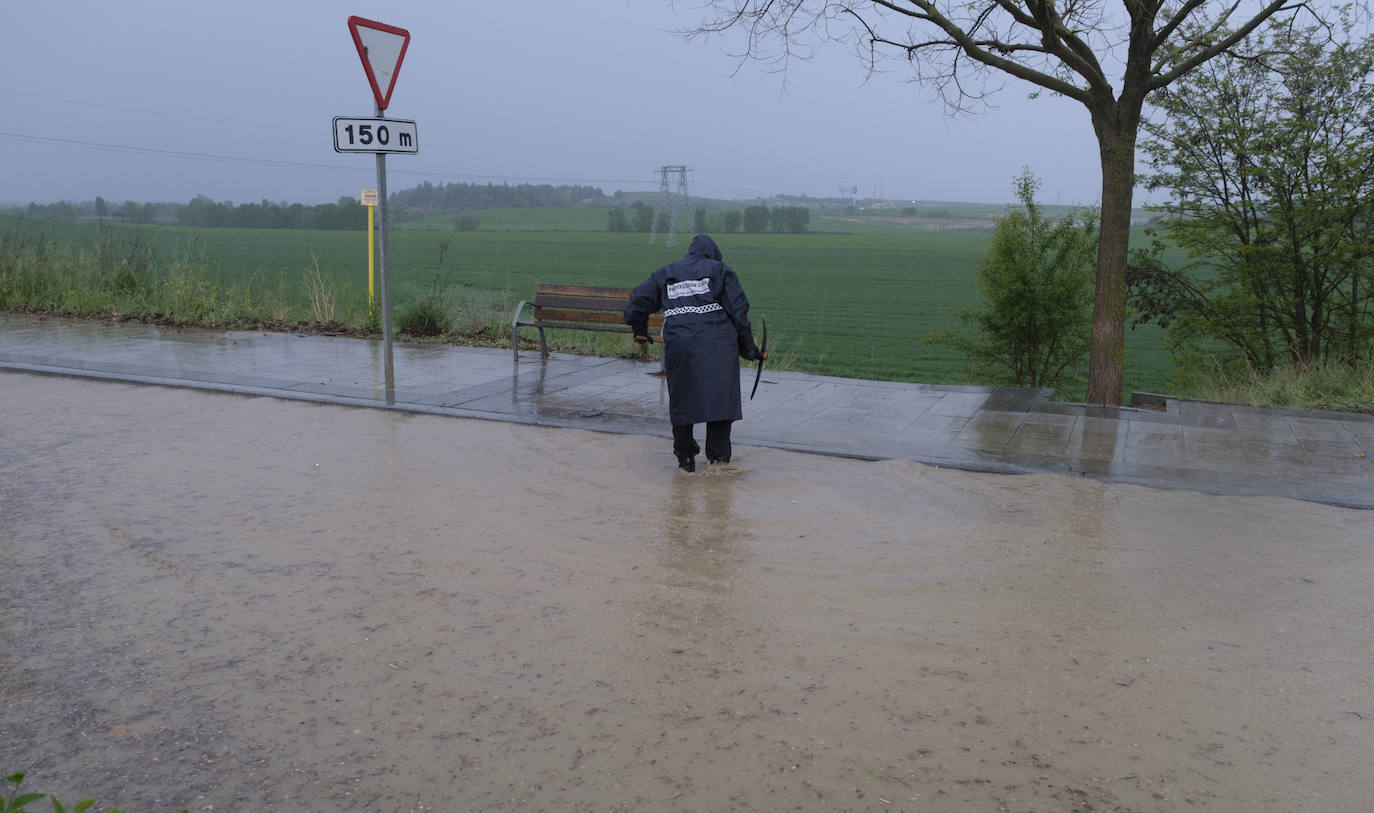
{"points": [[383, 96]]}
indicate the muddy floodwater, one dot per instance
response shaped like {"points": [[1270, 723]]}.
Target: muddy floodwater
{"points": [[216, 602]]}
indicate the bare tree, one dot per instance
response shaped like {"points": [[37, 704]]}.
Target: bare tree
{"points": [[1067, 48]]}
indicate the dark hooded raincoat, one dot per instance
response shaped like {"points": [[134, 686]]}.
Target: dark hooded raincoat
{"points": [[705, 332]]}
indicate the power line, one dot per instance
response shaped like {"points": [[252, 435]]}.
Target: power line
{"points": [[278, 162], [729, 190], [354, 169], [201, 156], [169, 114], [742, 191]]}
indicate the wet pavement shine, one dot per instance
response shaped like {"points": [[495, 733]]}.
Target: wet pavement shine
{"points": [[1210, 448]]}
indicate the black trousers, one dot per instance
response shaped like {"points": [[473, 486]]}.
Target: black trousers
{"points": [[717, 441]]}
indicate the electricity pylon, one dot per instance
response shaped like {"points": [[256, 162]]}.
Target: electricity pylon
{"points": [[667, 201]]}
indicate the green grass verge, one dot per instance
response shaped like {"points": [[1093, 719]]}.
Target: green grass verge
{"points": [[1325, 386], [852, 301]]}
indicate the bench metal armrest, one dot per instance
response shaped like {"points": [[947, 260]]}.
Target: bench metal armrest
{"points": [[514, 325]]}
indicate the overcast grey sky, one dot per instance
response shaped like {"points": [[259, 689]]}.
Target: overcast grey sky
{"points": [[161, 100]]}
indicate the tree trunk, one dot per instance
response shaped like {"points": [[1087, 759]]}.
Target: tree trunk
{"points": [[1116, 124], [1351, 354]]}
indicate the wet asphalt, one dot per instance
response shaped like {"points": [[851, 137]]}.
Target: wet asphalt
{"points": [[1173, 444]]}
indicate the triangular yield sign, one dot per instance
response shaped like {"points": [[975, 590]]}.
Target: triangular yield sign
{"points": [[381, 47]]}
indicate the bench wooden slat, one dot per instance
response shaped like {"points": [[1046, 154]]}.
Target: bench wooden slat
{"points": [[585, 303], [584, 326], [622, 294], [599, 317], [547, 315]]}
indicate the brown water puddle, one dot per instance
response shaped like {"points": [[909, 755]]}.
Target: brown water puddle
{"points": [[218, 602]]}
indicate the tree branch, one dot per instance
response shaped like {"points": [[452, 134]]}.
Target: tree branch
{"points": [[990, 52], [1205, 50]]}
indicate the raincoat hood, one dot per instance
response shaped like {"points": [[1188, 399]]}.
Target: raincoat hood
{"points": [[703, 246]]}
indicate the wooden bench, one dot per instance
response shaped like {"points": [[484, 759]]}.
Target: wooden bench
{"points": [[576, 307]]}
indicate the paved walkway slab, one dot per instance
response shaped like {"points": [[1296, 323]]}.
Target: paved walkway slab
{"points": [[1213, 448]]}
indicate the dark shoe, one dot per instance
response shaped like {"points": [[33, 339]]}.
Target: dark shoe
{"points": [[687, 464], [717, 460]]}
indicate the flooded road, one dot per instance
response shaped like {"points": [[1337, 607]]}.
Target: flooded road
{"points": [[231, 603]]}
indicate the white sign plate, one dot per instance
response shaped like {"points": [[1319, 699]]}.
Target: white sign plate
{"points": [[382, 47], [375, 135]]}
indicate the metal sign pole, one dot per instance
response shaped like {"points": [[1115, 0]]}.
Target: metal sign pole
{"points": [[383, 275], [381, 48]]}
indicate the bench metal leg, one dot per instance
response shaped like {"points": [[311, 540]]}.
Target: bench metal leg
{"points": [[514, 330]]}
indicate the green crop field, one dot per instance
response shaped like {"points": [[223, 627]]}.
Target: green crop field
{"points": [[850, 299]]}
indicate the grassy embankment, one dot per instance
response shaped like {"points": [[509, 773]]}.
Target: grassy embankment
{"points": [[851, 299]]}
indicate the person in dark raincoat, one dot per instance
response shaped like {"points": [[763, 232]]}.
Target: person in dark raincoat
{"points": [[705, 333]]}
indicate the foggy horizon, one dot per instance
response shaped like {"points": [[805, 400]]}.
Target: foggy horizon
{"points": [[159, 102]]}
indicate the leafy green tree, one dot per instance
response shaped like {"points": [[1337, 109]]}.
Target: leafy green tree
{"points": [[202, 211], [641, 217], [790, 219], [699, 221], [732, 221], [295, 217], [756, 219], [1037, 280], [617, 221], [1111, 57], [350, 214], [1269, 161], [776, 217]]}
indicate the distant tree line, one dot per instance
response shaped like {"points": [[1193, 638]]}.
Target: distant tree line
{"points": [[781, 219], [639, 217], [128, 211], [346, 214], [427, 198]]}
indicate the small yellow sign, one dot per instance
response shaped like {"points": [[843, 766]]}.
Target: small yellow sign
{"points": [[369, 197]]}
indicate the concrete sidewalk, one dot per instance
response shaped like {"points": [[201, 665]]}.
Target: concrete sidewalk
{"points": [[1213, 448]]}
